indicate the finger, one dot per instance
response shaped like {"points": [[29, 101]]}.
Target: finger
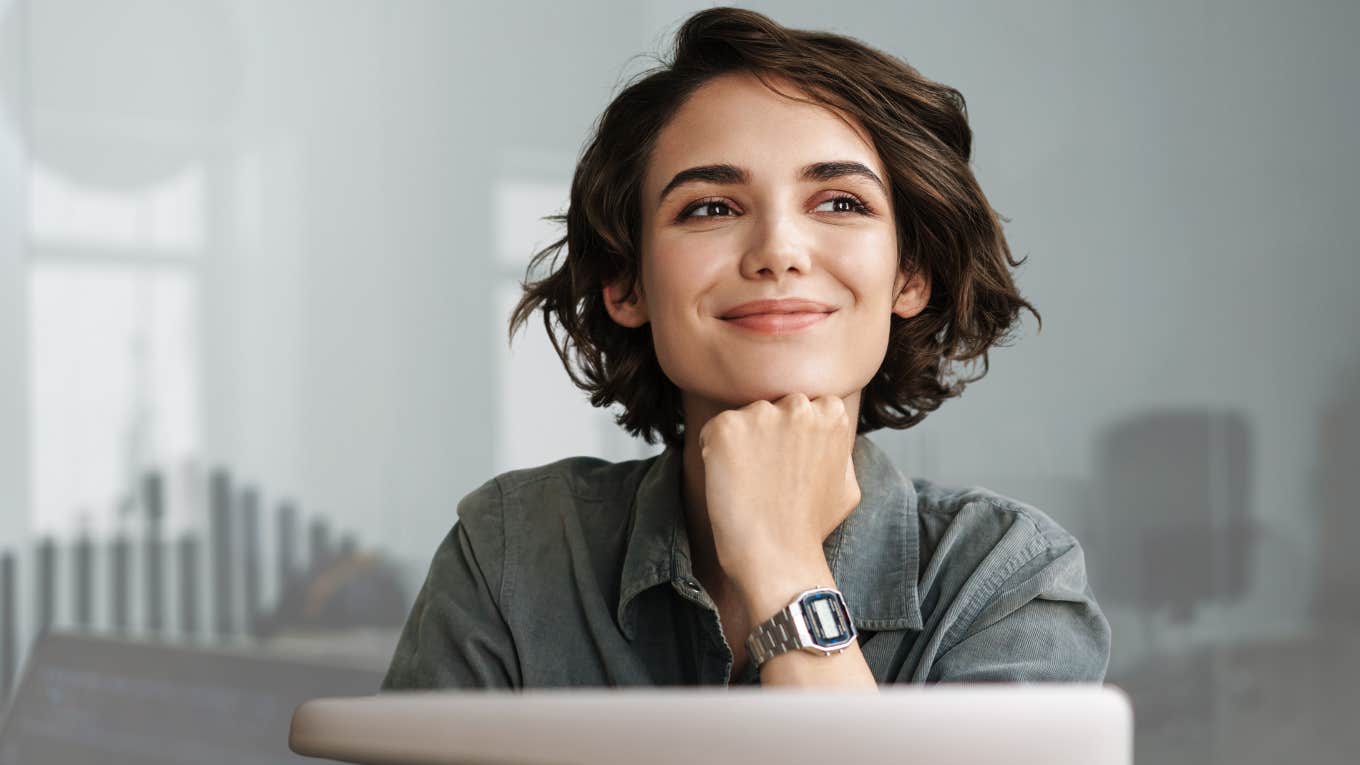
{"points": [[830, 406]]}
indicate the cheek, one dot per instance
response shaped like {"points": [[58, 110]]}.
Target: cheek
{"points": [[680, 354], [684, 279], [865, 261], [682, 272], [672, 289]]}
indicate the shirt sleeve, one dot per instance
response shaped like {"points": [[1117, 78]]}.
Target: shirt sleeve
{"points": [[1041, 624], [456, 635]]}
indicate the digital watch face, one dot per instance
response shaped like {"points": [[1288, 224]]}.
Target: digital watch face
{"points": [[826, 619]]}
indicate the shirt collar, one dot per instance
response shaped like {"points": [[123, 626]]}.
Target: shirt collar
{"points": [[873, 554]]}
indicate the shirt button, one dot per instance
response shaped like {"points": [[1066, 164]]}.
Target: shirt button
{"points": [[693, 585]]}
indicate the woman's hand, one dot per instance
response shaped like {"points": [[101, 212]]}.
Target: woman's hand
{"points": [[778, 480]]}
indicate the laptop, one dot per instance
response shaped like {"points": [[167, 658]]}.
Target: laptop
{"points": [[1048, 723]]}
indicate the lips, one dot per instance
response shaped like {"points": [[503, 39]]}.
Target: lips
{"points": [[778, 306], [778, 317]]}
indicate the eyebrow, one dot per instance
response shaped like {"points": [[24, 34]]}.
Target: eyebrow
{"points": [[725, 174]]}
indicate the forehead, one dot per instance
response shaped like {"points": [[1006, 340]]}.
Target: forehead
{"points": [[738, 119]]}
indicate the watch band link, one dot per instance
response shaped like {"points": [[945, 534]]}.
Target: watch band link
{"points": [[773, 637]]}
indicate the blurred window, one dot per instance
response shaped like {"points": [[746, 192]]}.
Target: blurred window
{"points": [[113, 336], [542, 416]]}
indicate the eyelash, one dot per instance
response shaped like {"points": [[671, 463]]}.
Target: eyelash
{"points": [[857, 207]]}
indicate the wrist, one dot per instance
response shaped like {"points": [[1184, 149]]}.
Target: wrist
{"points": [[766, 590], [816, 620]]}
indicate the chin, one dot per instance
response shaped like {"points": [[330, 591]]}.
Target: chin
{"points": [[773, 390]]}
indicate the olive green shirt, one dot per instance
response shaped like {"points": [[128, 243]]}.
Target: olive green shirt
{"points": [[578, 573]]}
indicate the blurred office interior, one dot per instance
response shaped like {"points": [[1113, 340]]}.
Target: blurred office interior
{"points": [[257, 258]]}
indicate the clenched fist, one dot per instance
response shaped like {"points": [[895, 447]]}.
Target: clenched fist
{"points": [[778, 480]]}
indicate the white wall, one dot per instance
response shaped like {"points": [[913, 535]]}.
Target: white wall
{"points": [[355, 330], [13, 371]]}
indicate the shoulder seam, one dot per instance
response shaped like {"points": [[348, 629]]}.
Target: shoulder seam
{"points": [[506, 560], [555, 473], [1014, 507]]}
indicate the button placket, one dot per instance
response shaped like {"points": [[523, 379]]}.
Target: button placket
{"points": [[715, 644]]}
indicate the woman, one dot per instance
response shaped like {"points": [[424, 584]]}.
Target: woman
{"points": [[774, 246]]}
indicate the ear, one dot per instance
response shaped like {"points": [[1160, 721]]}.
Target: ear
{"points": [[912, 292], [625, 304]]}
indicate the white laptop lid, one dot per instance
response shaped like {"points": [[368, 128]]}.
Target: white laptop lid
{"points": [[1049, 723]]}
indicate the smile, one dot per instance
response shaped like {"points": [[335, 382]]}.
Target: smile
{"points": [[779, 323]]}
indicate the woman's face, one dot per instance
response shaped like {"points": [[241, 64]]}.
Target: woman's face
{"points": [[749, 196]]}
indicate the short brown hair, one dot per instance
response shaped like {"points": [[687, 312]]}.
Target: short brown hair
{"points": [[944, 223]]}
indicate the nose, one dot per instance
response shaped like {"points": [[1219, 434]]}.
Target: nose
{"points": [[777, 246]]}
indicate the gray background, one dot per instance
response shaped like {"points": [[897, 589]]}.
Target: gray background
{"points": [[369, 175]]}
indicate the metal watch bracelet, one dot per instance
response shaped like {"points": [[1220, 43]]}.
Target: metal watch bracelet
{"points": [[772, 637], [781, 633]]}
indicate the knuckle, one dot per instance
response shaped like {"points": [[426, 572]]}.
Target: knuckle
{"points": [[713, 429]]}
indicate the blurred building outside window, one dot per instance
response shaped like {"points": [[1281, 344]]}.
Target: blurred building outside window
{"points": [[113, 338]]}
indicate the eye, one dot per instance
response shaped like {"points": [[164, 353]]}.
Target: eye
{"points": [[706, 208], [844, 203]]}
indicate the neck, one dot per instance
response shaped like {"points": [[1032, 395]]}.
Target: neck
{"points": [[703, 551]]}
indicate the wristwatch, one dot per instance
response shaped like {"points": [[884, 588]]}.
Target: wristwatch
{"points": [[817, 621]]}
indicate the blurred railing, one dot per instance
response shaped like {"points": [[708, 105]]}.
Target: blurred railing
{"points": [[230, 555]]}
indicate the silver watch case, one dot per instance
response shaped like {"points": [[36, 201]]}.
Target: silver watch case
{"points": [[788, 630]]}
